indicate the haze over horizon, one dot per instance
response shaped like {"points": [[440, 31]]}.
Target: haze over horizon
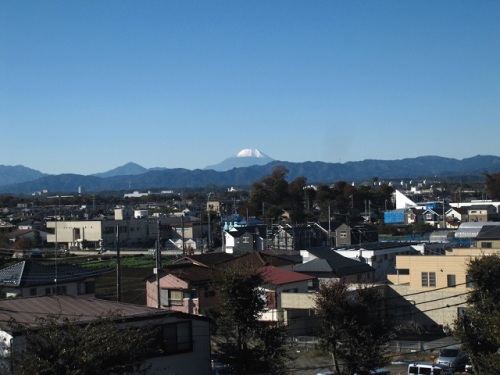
{"points": [[86, 87]]}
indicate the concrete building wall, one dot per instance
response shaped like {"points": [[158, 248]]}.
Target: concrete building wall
{"points": [[438, 302]]}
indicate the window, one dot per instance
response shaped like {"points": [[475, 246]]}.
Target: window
{"points": [[451, 281], [469, 283], [59, 290], [432, 279], [178, 337], [486, 245], [343, 234], [33, 292], [171, 297], [89, 287], [425, 279], [47, 291], [109, 230], [428, 279]]}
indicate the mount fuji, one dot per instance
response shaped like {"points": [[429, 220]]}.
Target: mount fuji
{"points": [[244, 158]]}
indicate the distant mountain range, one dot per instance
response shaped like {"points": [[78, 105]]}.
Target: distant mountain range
{"points": [[131, 176]]}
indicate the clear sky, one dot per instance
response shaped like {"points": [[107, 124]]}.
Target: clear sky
{"points": [[87, 86]]}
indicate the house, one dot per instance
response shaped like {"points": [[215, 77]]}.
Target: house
{"points": [[455, 216], [184, 287], [31, 234], [414, 215], [334, 234], [186, 337], [239, 240], [277, 282], [380, 255], [326, 264], [287, 237], [488, 237], [6, 227], [432, 217], [30, 278], [482, 212], [30, 224], [186, 227]]}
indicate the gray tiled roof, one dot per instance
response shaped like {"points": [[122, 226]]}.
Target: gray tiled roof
{"points": [[328, 261], [31, 273], [489, 232]]}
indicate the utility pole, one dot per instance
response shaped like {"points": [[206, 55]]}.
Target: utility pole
{"points": [[209, 230], [183, 244], [118, 266], [329, 228], [158, 265]]}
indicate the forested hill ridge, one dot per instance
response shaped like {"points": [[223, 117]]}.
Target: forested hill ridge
{"points": [[315, 172]]}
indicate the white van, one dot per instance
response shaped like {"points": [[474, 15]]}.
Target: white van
{"points": [[428, 368]]}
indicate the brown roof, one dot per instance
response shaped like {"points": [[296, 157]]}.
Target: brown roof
{"points": [[189, 272], [207, 260], [25, 310], [248, 260], [280, 276]]}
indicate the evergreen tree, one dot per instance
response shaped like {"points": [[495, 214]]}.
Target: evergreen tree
{"points": [[479, 327], [353, 329], [68, 347], [243, 342]]}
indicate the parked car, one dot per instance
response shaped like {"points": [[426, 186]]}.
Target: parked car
{"points": [[469, 368], [452, 357], [428, 368]]}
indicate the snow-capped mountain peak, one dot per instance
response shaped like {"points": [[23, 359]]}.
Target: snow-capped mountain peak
{"points": [[250, 153], [244, 158]]}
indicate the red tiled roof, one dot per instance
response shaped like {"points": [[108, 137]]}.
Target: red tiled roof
{"points": [[280, 276]]}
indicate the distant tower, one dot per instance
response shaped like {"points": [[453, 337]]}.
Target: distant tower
{"points": [[81, 190]]}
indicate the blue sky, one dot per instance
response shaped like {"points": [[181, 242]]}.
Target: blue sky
{"points": [[86, 86]]}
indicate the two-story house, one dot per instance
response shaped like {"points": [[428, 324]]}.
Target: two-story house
{"points": [[183, 287], [240, 240], [185, 338], [482, 212], [30, 278], [326, 264]]}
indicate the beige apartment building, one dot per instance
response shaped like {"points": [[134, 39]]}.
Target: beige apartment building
{"points": [[430, 291], [99, 234]]}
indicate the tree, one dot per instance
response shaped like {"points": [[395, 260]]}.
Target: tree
{"points": [[493, 185], [37, 238], [296, 197], [353, 329], [479, 327], [243, 342], [270, 193], [65, 346]]}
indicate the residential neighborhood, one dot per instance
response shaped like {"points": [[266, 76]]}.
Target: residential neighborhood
{"points": [[423, 280]]}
